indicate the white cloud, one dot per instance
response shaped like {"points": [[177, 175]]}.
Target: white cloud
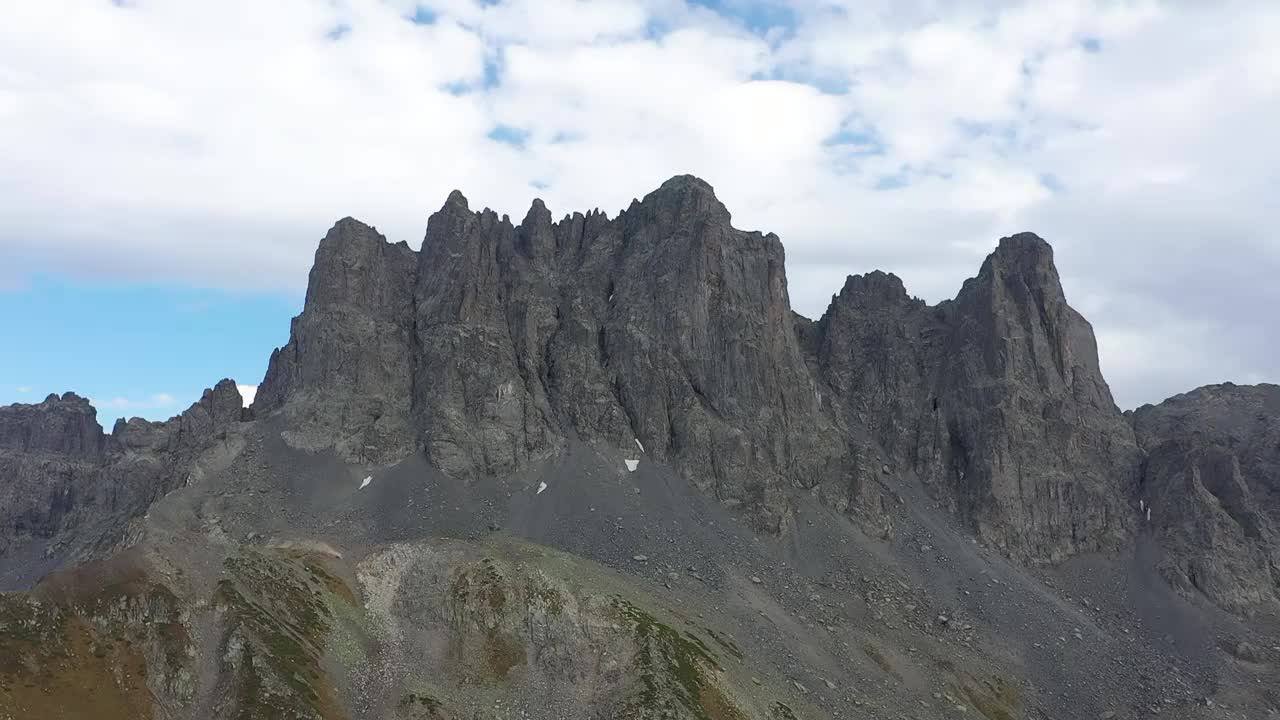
{"points": [[167, 141], [156, 401], [247, 392], [23, 389]]}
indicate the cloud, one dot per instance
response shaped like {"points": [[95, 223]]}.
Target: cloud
{"points": [[159, 141], [23, 389], [156, 401], [247, 392]]}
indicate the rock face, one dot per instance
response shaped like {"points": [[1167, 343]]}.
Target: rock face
{"points": [[1212, 482], [664, 329], [344, 378], [50, 459], [65, 482], [668, 333], [1026, 431], [995, 399]]}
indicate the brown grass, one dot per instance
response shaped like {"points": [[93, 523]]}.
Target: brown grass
{"points": [[79, 677]]}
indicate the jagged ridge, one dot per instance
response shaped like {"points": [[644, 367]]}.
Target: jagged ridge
{"points": [[668, 329]]}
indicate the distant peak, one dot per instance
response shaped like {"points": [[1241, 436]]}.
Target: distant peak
{"points": [[1024, 254], [1024, 247], [877, 282], [457, 198], [686, 196], [688, 181], [538, 214], [350, 227], [876, 289]]}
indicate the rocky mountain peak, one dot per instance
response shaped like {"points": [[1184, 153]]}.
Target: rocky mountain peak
{"points": [[457, 199], [682, 199], [66, 426], [874, 289]]}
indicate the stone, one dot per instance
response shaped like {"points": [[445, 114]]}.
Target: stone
{"points": [[1211, 486], [65, 482]]}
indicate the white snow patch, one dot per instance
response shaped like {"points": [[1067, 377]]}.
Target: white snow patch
{"points": [[541, 486], [632, 465], [365, 483], [639, 444], [247, 393], [1148, 514]]}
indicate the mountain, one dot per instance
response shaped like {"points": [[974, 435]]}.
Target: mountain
{"points": [[1212, 481], [597, 467]]}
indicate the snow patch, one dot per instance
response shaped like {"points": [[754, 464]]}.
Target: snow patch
{"points": [[639, 444], [541, 486], [631, 465], [365, 483]]}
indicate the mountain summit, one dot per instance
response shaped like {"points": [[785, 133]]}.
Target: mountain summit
{"points": [[598, 468]]}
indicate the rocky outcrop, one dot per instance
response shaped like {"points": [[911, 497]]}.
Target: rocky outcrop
{"points": [[535, 626], [51, 457], [65, 426], [664, 332], [64, 482], [343, 379], [1026, 434], [1210, 490], [994, 399]]}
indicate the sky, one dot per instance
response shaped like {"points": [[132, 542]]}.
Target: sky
{"points": [[167, 167]]}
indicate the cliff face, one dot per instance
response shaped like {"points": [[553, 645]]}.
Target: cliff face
{"points": [[1027, 434], [1212, 482], [665, 333], [994, 399], [343, 378], [64, 481]]}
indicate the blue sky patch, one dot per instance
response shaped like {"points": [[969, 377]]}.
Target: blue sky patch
{"points": [[513, 136], [338, 32], [759, 16], [1052, 182], [423, 15], [1091, 44], [892, 182], [145, 350], [863, 141]]}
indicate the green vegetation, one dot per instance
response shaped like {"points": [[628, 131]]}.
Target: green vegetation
{"points": [[23, 619], [673, 671], [280, 606]]}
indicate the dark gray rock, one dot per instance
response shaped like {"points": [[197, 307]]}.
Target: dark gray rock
{"points": [[66, 426], [995, 399], [1212, 482], [664, 325], [66, 483], [1025, 434], [343, 380]]}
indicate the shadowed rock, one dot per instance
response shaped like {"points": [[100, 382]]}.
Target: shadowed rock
{"points": [[66, 484], [1212, 483]]}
